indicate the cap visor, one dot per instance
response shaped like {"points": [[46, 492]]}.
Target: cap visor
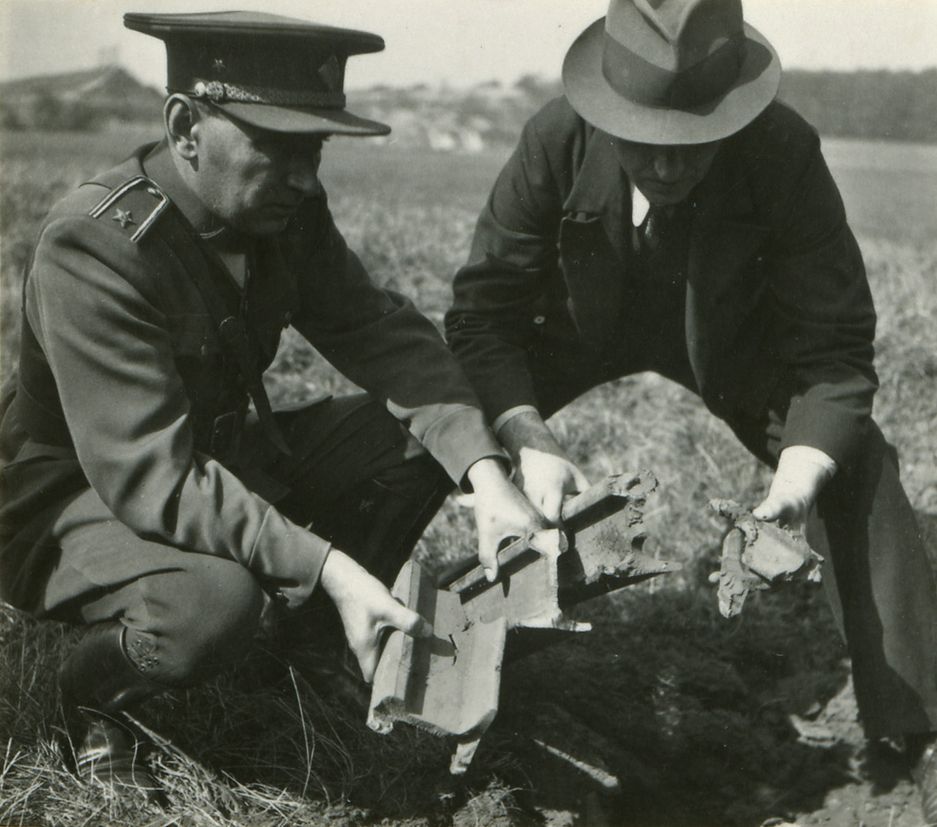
{"points": [[597, 102], [303, 119]]}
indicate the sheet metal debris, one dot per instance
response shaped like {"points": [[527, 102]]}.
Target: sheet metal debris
{"points": [[449, 684], [757, 555]]}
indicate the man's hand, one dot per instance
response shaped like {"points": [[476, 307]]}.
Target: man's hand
{"points": [[366, 608], [501, 512], [802, 472], [544, 473]]}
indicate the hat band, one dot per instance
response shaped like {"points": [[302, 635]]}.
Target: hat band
{"points": [[218, 92], [634, 78]]}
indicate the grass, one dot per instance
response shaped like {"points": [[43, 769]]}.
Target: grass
{"points": [[279, 742]]}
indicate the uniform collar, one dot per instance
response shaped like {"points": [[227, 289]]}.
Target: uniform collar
{"points": [[158, 165]]}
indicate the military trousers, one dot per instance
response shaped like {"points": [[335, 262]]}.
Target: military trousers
{"points": [[354, 476], [876, 572]]}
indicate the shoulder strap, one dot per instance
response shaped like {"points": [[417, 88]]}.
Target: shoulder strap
{"points": [[140, 194]]}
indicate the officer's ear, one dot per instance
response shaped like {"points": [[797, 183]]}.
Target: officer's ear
{"points": [[180, 115]]}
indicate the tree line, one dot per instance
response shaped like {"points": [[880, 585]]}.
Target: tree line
{"points": [[876, 105]]}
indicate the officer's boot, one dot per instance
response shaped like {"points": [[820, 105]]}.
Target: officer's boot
{"points": [[99, 683]]}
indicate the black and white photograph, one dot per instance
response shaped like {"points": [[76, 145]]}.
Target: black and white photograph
{"points": [[505, 413]]}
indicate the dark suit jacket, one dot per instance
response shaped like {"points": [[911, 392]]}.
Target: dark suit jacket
{"points": [[776, 296]]}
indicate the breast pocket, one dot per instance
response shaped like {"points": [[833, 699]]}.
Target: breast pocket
{"points": [[198, 356]]}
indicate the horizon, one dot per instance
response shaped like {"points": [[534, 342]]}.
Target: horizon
{"points": [[444, 43], [158, 87]]}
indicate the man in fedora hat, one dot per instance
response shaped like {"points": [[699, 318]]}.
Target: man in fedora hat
{"points": [[141, 498], [668, 214]]}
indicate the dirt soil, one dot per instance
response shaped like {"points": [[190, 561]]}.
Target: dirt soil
{"points": [[669, 715], [698, 721]]}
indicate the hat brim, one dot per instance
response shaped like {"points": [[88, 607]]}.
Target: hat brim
{"points": [[597, 102], [301, 119]]}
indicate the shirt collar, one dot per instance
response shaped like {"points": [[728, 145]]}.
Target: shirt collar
{"points": [[639, 206]]}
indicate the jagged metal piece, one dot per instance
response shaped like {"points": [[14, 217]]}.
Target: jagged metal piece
{"points": [[756, 555], [447, 684], [607, 540], [526, 593]]}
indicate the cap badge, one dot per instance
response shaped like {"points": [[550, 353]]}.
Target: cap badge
{"points": [[123, 217], [331, 74], [218, 66], [214, 90]]}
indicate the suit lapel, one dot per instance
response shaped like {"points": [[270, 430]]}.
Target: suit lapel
{"points": [[724, 242], [592, 241]]}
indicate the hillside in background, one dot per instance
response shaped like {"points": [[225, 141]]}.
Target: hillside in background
{"points": [[868, 104], [85, 100]]}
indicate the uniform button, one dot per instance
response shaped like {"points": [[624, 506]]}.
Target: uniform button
{"points": [[539, 319]]}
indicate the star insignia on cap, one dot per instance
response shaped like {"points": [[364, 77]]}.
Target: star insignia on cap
{"points": [[123, 217]]}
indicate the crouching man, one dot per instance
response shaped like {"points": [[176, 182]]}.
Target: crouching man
{"points": [[143, 496], [667, 214]]}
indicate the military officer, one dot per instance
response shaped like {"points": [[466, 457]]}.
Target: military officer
{"points": [[668, 214], [141, 496]]}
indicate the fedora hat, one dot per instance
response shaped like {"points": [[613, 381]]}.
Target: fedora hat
{"points": [[671, 71], [274, 72]]}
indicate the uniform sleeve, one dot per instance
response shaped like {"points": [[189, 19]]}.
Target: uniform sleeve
{"points": [[825, 319], [125, 406], [513, 251], [381, 342]]}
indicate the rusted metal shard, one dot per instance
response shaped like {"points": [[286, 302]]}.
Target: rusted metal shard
{"points": [[736, 582], [447, 684], [756, 555], [608, 497], [607, 540]]}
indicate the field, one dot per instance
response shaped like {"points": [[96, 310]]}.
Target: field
{"points": [[673, 716]]}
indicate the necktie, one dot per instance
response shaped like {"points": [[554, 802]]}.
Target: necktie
{"points": [[653, 229]]}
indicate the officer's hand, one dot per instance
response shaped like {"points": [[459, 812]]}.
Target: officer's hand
{"points": [[501, 512], [366, 608], [801, 474], [543, 471]]}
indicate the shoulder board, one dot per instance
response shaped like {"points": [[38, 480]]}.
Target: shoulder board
{"points": [[134, 206]]}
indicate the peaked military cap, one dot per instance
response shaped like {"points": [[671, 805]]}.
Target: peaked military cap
{"points": [[274, 72]]}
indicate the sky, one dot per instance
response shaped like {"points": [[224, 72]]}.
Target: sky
{"points": [[461, 42]]}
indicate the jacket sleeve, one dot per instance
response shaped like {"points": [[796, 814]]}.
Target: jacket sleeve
{"points": [[380, 341], [824, 319], [124, 403], [513, 252]]}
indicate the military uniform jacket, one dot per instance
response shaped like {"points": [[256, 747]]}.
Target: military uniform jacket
{"points": [[120, 350], [776, 293]]}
